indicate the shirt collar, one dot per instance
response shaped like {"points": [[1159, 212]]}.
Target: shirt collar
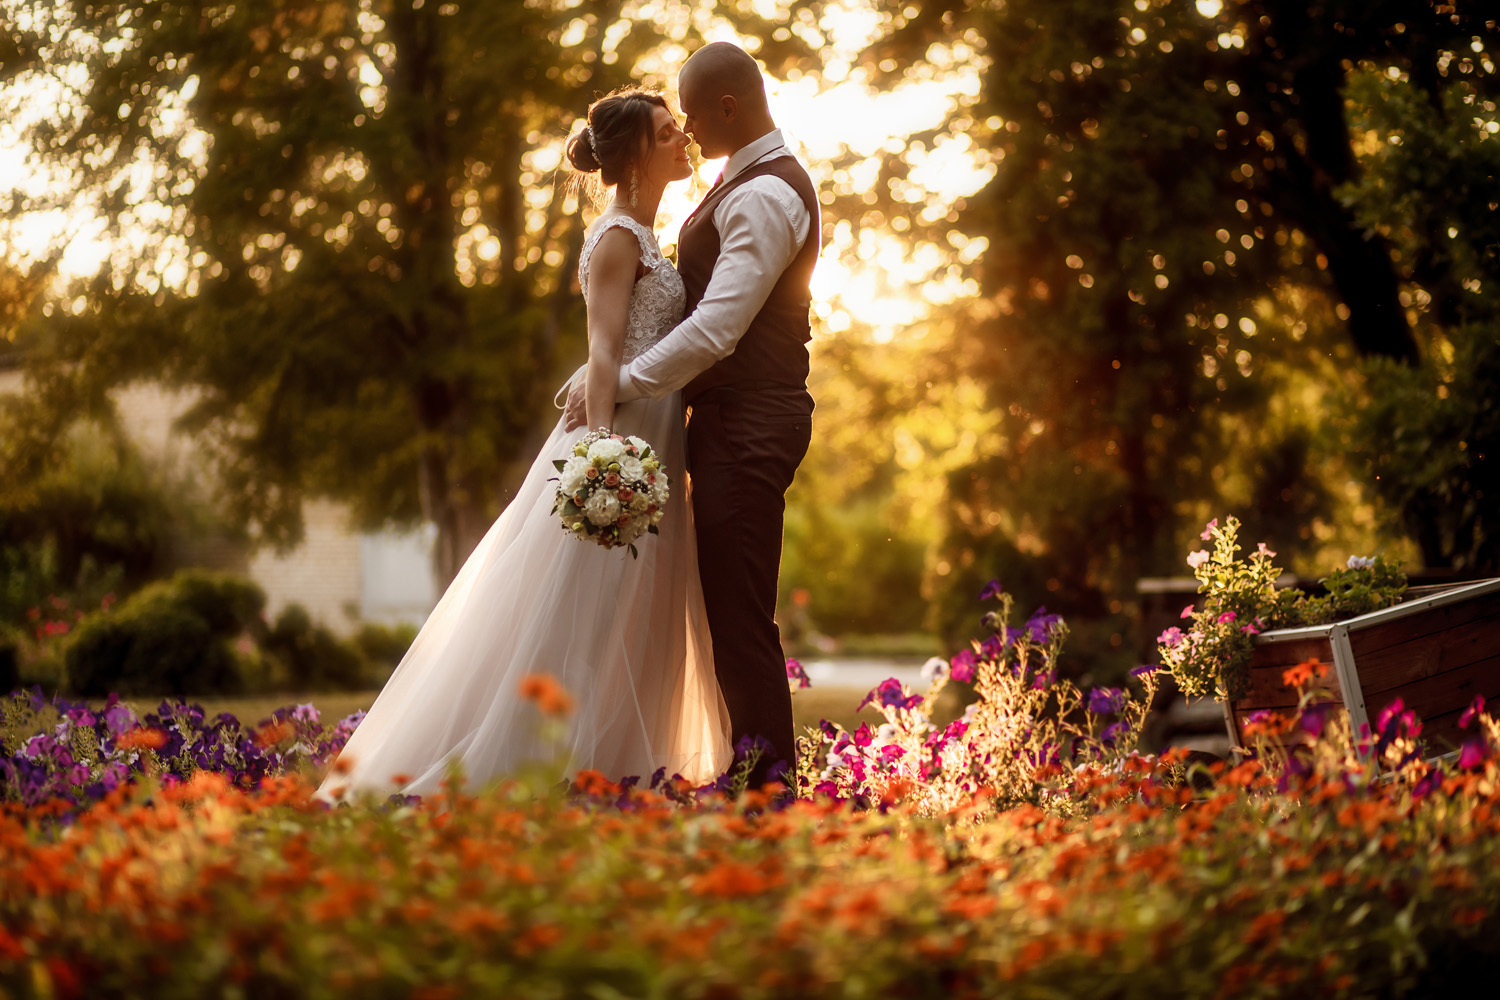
{"points": [[752, 152]]}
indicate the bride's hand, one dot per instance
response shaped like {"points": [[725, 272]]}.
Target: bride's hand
{"points": [[575, 412]]}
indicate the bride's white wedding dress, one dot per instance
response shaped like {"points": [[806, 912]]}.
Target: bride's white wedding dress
{"points": [[626, 637]]}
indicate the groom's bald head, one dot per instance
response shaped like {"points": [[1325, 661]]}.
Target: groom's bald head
{"points": [[723, 99]]}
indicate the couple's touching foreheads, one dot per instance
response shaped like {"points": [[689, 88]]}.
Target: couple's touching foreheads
{"points": [[671, 656]]}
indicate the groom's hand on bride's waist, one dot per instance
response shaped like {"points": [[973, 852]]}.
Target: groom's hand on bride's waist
{"points": [[575, 412]]}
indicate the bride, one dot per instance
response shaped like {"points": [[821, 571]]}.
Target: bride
{"points": [[627, 638]]}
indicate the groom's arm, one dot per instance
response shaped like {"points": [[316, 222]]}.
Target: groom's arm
{"points": [[762, 224]]}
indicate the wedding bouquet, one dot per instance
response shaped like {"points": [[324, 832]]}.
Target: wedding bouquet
{"points": [[612, 490]]}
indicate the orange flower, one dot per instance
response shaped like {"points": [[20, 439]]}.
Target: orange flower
{"points": [[732, 879], [591, 782], [538, 937], [550, 696], [1303, 672], [273, 733], [137, 739], [478, 918]]}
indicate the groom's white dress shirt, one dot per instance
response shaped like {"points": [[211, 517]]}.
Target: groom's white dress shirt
{"points": [[762, 224]]}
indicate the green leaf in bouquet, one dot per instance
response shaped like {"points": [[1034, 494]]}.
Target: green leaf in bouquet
{"points": [[558, 464], [654, 530]]}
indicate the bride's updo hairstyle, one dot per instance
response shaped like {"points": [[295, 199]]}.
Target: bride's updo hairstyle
{"points": [[617, 134]]}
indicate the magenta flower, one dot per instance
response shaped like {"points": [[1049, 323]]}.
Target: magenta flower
{"points": [[962, 666], [1208, 531], [1227, 616], [1172, 637], [1472, 712], [1472, 754], [1187, 612], [1388, 715]]}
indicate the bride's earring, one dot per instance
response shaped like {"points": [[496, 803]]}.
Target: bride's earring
{"points": [[635, 186]]}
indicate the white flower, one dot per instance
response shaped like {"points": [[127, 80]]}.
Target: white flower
{"points": [[631, 470], [886, 733], [607, 449], [934, 668], [639, 502], [835, 760], [602, 508], [659, 491], [1360, 562], [637, 443], [572, 477]]}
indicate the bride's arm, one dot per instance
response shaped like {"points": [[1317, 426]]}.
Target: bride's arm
{"points": [[612, 272]]}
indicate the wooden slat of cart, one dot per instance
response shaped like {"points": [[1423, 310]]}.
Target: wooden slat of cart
{"points": [[1435, 652]]}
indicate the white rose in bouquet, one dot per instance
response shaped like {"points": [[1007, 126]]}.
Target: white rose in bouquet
{"points": [[602, 509], [631, 470], [636, 443], [574, 475], [607, 449]]}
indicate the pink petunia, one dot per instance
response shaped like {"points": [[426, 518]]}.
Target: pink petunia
{"points": [[1196, 559]]}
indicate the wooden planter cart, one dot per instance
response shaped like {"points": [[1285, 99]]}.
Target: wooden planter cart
{"points": [[1435, 651]]}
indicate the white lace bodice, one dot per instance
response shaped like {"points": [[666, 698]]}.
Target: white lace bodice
{"points": [[658, 300]]}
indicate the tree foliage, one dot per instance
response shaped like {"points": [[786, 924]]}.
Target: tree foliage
{"points": [[340, 223], [1177, 268]]}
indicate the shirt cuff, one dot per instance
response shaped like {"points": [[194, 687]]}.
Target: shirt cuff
{"points": [[627, 389]]}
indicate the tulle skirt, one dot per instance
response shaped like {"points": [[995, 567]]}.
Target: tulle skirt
{"points": [[627, 638]]}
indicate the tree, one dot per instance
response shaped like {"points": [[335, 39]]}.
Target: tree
{"points": [[1169, 252], [341, 223]]}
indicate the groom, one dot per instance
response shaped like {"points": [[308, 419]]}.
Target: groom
{"points": [[746, 256]]}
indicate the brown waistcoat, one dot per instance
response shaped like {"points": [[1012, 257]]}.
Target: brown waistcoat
{"points": [[774, 348]]}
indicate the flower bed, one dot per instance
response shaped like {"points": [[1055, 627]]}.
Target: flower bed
{"points": [[1029, 852], [1298, 881]]}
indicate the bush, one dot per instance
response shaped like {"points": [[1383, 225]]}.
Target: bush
{"points": [[96, 522], [315, 659], [173, 637], [385, 644]]}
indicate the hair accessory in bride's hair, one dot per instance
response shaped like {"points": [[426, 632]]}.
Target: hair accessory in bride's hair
{"points": [[588, 130]]}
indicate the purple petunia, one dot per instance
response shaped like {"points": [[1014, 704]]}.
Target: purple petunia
{"points": [[1171, 638], [1315, 718], [1143, 671], [1106, 701], [892, 694], [796, 672], [991, 589], [1041, 624]]}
